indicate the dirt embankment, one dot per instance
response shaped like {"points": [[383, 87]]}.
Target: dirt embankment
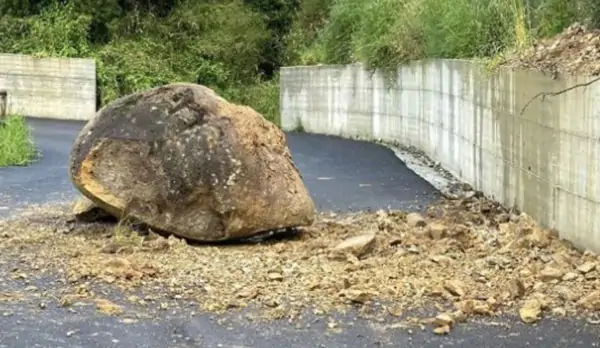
{"points": [[576, 51]]}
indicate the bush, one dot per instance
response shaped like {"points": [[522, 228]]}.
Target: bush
{"points": [[262, 97], [387, 33], [215, 43], [16, 145], [468, 28]]}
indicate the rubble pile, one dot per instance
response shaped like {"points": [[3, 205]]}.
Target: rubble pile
{"points": [[576, 51], [463, 257]]}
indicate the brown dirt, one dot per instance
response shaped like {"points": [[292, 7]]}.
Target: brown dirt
{"points": [[576, 51], [466, 258]]}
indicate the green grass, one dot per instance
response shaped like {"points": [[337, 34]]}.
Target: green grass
{"points": [[16, 145]]}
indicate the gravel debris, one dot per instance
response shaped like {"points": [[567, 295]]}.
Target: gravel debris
{"points": [[575, 51], [465, 258]]}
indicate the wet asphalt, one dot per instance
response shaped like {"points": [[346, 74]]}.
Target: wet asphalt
{"points": [[342, 175]]}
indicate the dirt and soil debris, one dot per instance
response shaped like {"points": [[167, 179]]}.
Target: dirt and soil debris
{"points": [[575, 51], [465, 257]]}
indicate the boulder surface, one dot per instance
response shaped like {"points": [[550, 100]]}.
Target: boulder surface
{"points": [[183, 160]]}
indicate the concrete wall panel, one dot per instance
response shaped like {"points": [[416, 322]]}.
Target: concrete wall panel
{"points": [[49, 87], [544, 160]]}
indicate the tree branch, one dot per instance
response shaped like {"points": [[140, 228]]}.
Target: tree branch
{"points": [[543, 95]]}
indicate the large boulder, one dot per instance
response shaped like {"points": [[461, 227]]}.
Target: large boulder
{"points": [[183, 160]]}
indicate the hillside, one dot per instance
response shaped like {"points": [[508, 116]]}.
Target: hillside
{"points": [[238, 46]]}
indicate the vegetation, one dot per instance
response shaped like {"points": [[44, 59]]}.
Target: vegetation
{"points": [[386, 33], [237, 46], [16, 146]]}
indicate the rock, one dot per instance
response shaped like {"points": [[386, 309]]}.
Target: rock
{"points": [[562, 258], [183, 160], [587, 267], [248, 293], [415, 220], [566, 293], [530, 312], [275, 276], [539, 238], [455, 287], [570, 276], [458, 316], [413, 249], [357, 296], [87, 211], [107, 307], [443, 319], [437, 230], [516, 288], [590, 301], [469, 307], [441, 259], [442, 330], [550, 273], [358, 245]]}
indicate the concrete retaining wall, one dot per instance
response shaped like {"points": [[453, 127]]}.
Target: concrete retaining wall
{"points": [[545, 161], [49, 87]]}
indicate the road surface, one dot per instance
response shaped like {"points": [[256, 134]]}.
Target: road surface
{"points": [[342, 175]]}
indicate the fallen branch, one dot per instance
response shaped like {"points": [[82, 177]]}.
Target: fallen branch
{"points": [[543, 95]]}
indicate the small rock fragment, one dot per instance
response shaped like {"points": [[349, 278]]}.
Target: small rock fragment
{"points": [[570, 276], [539, 238], [469, 307], [587, 267], [437, 230], [551, 273], [415, 220], [567, 294], [107, 307], [68, 300], [441, 259], [516, 288], [590, 301], [413, 249], [275, 276], [458, 316], [359, 245], [71, 333], [443, 319], [455, 287], [530, 311], [357, 296], [248, 293], [442, 330]]}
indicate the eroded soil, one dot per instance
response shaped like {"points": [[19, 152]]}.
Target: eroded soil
{"points": [[576, 51]]}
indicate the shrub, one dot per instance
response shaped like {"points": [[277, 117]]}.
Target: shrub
{"points": [[16, 145]]}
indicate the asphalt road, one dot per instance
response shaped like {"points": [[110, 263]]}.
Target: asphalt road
{"points": [[341, 174]]}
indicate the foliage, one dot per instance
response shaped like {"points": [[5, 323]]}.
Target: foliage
{"points": [[308, 22], [262, 96], [456, 29], [387, 33], [16, 146], [237, 46], [278, 16], [218, 43]]}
